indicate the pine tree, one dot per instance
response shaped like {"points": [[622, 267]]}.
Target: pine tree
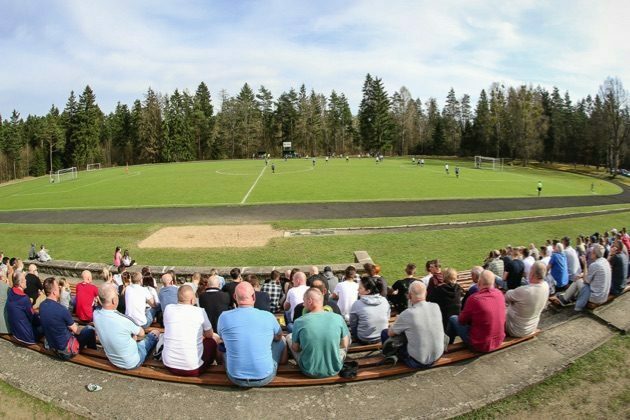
{"points": [[53, 134], [203, 120], [150, 134], [264, 101], [86, 143]]}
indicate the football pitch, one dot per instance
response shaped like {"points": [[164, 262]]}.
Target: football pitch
{"points": [[242, 182]]}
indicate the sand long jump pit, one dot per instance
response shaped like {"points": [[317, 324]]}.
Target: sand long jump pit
{"points": [[233, 236]]}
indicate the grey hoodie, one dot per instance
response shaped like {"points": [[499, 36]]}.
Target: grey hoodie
{"points": [[368, 317]]}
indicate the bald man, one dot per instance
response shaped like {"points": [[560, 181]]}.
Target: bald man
{"points": [[295, 295], [86, 297], [189, 343], [320, 340], [34, 285], [252, 341], [526, 303], [481, 325], [118, 334], [168, 292], [421, 324]]}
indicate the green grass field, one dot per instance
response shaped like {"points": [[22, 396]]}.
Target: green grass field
{"points": [[295, 181]]}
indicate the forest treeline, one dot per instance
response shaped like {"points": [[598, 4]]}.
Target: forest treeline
{"points": [[513, 122]]}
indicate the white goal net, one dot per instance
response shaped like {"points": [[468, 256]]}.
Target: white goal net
{"points": [[93, 167], [484, 162], [66, 174]]}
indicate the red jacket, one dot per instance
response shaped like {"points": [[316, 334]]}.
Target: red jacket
{"points": [[485, 313]]}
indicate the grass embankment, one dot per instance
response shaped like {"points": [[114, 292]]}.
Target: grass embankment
{"points": [[16, 404], [459, 247], [595, 386]]}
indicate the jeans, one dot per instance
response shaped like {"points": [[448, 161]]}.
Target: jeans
{"points": [[150, 314], [456, 329], [583, 297], [277, 348], [145, 346]]}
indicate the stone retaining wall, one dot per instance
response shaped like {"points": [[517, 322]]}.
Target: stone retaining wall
{"points": [[74, 268]]}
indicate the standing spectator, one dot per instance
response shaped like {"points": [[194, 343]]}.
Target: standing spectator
{"points": [[262, 299], [346, 292], [369, 315], [4, 291], [400, 288], [168, 292], [23, 322], [594, 287], [118, 334], [526, 303], [214, 301], [139, 302], [34, 286], [319, 341], [481, 325], [274, 290], [189, 346], [252, 341], [421, 326], [619, 267], [448, 296], [235, 276], [86, 297], [63, 336]]}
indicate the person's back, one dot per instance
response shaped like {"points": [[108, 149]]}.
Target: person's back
{"points": [[263, 302], [515, 270], [4, 294], [559, 270], [184, 326], [84, 305], [247, 334], [115, 332], [599, 278], [273, 289], [136, 298], [33, 286], [368, 317], [485, 313], [347, 292], [214, 302], [448, 297], [422, 325], [401, 287], [21, 317], [55, 320], [319, 334], [619, 273], [167, 296], [525, 304]]}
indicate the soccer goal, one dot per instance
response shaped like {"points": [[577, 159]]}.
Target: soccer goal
{"points": [[93, 167], [484, 162], [62, 175]]}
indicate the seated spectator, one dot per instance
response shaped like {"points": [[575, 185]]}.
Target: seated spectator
{"points": [[331, 279], [494, 263], [235, 279], [139, 302], [262, 299], [573, 260], [481, 325], [528, 261], [42, 255], [214, 301], [295, 295], [117, 257], [427, 277], [118, 334], [4, 267], [594, 287], [63, 336], [125, 278], [315, 275], [194, 283], [347, 292], [202, 286], [320, 339], [126, 259], [618, 260], [86, 297], [533, 252], [273, 288], [329, 304], [65, 296], [4, 291], [475, 272], [557, 270], [168, 292], [448, 296], [107, 276], [374, 271], [514, 270], [437, 278], [215, 273], [526, 303], [118, 277], [189, 346], [32, 254], [400, 289], [252, 341], [34, 286], [148, 282], [23, 322], [420, 326], [370, 314], [544, 255]]}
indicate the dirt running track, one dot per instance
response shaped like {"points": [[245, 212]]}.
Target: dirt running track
{"points": [[271, 212]]}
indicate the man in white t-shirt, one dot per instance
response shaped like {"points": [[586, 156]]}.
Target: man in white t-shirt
{"points": [[573, 261], [189, 343], [295, 295], [528, 261], [347, 292], [136, 300]]}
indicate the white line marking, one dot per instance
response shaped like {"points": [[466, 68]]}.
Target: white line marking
{"points": [[253, 185]]}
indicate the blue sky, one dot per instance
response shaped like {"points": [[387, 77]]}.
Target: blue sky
{"points": [[120, 48]]}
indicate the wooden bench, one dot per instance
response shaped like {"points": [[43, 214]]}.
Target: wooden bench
{"points": [[555, 301], [287, 375]]}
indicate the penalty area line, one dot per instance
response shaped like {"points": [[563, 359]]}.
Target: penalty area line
{"points": [[253, 185]]}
